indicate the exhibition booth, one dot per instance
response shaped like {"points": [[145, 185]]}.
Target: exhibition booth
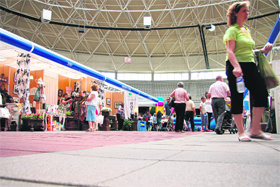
{"points": [[32, 86], [51, 89]]}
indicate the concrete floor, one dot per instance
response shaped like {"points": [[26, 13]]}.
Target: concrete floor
{"points": [[131, 158]]}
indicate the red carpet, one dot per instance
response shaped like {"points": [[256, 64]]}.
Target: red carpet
{"points": [[26, 143]]}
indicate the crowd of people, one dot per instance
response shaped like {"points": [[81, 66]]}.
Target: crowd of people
{"points": [[85, 107], [239, 63], [179, 117]]}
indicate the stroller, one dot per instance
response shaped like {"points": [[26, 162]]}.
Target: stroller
{"points": [[167, 125], [225, 122]]}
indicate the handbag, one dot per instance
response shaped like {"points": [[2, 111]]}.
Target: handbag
{"points": [[122, 116], [4, 113], [172, 103], [269, 76], [99, 119]]}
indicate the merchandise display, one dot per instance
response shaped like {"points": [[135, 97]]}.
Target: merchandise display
{"points": [[22, 78]]}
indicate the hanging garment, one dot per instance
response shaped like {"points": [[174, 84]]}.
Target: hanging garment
{"points": [[37, 94]]}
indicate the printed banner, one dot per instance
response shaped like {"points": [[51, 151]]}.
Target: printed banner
{"points": [[130, 104]]}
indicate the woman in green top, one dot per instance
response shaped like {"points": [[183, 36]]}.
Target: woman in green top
{"points": [[240, 62]]}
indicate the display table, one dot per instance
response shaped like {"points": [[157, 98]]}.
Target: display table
{"points": [[134, 125], [4, 124], [113, 122], [52, 120], [32, 125], [84, 125], [72, 123]]}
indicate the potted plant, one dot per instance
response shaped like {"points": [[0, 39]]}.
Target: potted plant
{"points": [[71, 123], [32, 122], [106, 109], [106, 122], [127, 125], [68, 113]]}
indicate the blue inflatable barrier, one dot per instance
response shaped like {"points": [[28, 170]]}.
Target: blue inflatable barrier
{"points": [[197, 123]]}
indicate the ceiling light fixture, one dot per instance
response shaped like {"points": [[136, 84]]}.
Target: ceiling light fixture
{"points": [[147, 22], [46, 16], [210, 27]]}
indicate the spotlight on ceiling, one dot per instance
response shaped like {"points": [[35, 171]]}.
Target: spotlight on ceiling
{"points": [[46, 16], [210, 27], [147, 22]]}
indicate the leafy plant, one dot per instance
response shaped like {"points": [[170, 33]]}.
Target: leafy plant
{"points": [[153, 110], [127, 124], [32, 116], [106, 109], [68, 113]]}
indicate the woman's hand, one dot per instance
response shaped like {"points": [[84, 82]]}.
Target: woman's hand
{"points": [[237, 71], [267, 48]]}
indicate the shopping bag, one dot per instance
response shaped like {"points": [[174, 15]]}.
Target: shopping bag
{"points": [[271, 80], [4, 113], [100, 119]]}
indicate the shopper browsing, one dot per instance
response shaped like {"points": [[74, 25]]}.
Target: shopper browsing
{"points": [[66, 100], [240, 63], [120, 116], [190, 112], [181, 96], [218, 91], [92, 102]]}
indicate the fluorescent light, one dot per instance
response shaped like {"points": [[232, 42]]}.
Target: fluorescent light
{"points": [[147, 22], [46, 15]]}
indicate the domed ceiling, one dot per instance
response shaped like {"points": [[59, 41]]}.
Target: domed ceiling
{"points": [[101, 33]]}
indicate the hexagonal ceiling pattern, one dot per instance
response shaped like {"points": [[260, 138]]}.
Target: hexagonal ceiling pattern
{"points": [[101, 33]]}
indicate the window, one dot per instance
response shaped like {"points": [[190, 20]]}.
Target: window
{"points": [[135, 76], [171, 76], [207, 75], [109, 74]]}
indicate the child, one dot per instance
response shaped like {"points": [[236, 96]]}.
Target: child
{"points": [[154, 121], [203, 113]]}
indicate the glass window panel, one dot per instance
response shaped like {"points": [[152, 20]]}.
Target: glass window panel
{"points": [[171, 76], [109, 74], [207, 75], [134, 76]]}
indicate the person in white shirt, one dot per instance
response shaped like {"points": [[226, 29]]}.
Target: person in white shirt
{"points": [[209, 110], [203, 114], [92, 102], [218, 91]]}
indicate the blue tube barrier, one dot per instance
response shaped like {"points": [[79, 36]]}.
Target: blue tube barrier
{"points": [[274, 33], [31, 47]]}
